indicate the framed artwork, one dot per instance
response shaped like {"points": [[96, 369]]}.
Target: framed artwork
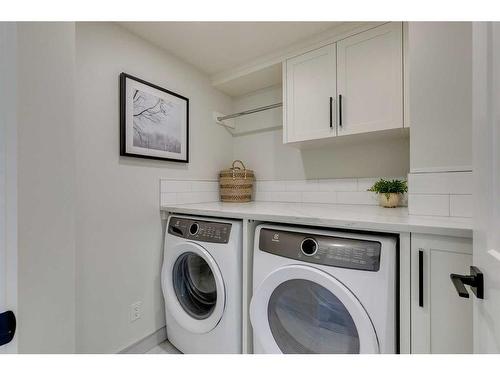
{"points": [[154, 122]]}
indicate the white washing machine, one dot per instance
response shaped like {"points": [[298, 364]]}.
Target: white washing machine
{"points": [[201, 283], [323, 291]]}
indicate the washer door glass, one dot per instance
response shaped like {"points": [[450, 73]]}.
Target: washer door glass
{"points": [[305, 317], [194, 285]]}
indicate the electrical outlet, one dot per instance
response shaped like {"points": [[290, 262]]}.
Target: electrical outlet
{"points": [[135, 311]]}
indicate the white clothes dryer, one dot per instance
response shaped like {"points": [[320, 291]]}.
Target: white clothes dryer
{"points": [[323, 291]]}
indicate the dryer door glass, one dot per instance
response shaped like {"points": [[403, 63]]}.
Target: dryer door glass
{"points": [[305, 317], [194, 285]]}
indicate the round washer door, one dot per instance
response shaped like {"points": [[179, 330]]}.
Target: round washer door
{"points": [[301, 309], [193, 287]]}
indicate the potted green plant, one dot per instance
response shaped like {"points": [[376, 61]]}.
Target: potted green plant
{"points": [[389, 192]]}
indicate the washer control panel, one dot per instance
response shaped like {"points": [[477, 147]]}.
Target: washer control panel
{"points": [[199, 230], [325, 250]]}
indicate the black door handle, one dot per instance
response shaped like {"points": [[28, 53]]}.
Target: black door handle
{"points": [[7, 327], [475, 280]]}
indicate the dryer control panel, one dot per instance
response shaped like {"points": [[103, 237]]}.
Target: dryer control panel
{"points": [[325, 250], [199, 230]]}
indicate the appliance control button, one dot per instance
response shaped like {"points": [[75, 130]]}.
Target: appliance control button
{"points": [[193, 229]]}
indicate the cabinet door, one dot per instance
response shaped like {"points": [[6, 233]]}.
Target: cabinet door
{"points": [[441, 321], [370, 80], [310, 89]]}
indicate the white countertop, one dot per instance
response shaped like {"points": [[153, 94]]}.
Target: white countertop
{"points": [[362, 217]]}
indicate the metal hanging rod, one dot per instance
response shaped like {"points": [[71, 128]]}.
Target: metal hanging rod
{"points": [[247, 112]]}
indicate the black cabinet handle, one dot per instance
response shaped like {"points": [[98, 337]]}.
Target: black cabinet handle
{"points": [[421, 278], [7, 327], [331, 112], [340, 110], [475, 280]]}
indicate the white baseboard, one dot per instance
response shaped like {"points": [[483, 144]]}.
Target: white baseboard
{"points": [[147, 343]]}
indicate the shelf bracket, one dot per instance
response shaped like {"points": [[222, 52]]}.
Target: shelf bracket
{"points": [[226, 123]]}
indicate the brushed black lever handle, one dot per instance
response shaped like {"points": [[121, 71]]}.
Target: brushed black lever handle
{"points": [[459, 283], [475, 280]]}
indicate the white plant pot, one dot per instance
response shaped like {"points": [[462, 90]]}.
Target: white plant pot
{"points": [[391, 201]]}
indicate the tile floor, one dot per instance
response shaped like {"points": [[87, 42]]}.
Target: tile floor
{"points": [[164, 348]]}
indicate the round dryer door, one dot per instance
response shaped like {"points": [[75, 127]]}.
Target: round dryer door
{"points": [[301, 309], [194, 288]]}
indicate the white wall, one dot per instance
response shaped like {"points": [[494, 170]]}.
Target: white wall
{"points": [[440, 60], [46, 194], [265, 152], [119, 234]]}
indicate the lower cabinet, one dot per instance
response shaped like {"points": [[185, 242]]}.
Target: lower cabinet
{"points": [[441, 321]]}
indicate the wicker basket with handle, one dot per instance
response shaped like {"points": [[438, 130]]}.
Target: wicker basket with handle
{"points": [[236, 184]]}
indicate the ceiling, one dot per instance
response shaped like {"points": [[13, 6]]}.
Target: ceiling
{"points": [[215, 47]]}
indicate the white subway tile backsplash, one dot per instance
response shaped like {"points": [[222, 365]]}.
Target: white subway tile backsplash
{"points": [[212, 196], [432, 194], [426, 183], [205, 186], [188, 191], [460, 183], [263, 196], [286, 196], [441, 194], [440, 183], [429, 205], [366, 183], [329, 197], [404, 200], [357, 197], [270, 185], [301, 185], [196, 197], [461, 205], [186, 198], [339, 184], [175, 186], [328, 191], [168, 198]]}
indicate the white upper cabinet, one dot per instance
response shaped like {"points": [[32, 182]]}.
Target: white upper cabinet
{"points": [[370, 80], [349, 87], [310, 90]]}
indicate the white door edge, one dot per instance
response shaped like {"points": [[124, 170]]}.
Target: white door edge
{"points": [[486, 164], [8, 175]]}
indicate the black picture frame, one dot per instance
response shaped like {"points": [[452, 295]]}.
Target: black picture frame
{"points": [[123, 121]]}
